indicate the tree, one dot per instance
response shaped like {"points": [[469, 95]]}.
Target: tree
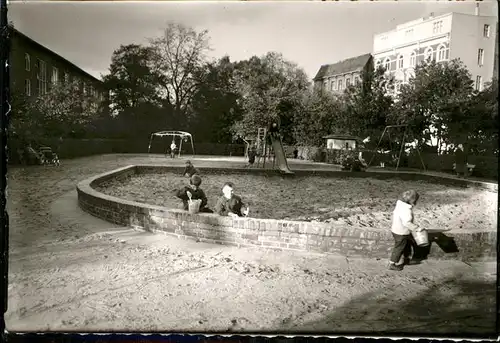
{"points": [[215, 104], [271, 88], [135, 96], [178, 59], [316, 118], [131, 79], [65, 109], [437, 98], [366, 106]]}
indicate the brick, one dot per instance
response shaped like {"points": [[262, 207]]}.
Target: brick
{"points": [[252, 237]]}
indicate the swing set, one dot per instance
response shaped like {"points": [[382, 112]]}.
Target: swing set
{"points": [[407, 130], [184, 136]]}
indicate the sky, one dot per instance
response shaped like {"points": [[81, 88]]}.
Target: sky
{"points": [[309, 33]]}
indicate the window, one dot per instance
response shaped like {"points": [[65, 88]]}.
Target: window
{"points": [[437, 26], [486, 31], [480, 57], [347, 82], [387, 64], [409, 33], [332, 83], [400, 62], [27, 87], [66, 77], [41, 76], [55, 75], [378, 63], [84, 88], [92, 91], [27, 62], [479, 80], [428, 54], [441, 53], [413, 59], [340, 85], [356, 80]]}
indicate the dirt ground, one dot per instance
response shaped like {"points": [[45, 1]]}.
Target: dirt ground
{"points": [[362, 202], [71, 271]]}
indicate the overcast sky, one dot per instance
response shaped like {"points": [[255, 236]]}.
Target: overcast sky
{"points": [[308, 33]]}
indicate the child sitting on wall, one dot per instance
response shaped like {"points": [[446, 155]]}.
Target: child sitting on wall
{"points": [[193, 192], [190, 170], [402, 226], [230, 204]]}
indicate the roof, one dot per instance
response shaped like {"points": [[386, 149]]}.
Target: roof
{"points": [[32, 41], [346, 137], [345, 66]]}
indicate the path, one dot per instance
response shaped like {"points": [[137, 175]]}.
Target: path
{"points": [[71, 271]]}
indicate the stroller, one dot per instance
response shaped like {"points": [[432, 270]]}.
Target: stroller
{"points": [[48, 156]]}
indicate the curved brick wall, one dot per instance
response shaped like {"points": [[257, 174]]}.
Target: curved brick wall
{"points": [[270, 233]]}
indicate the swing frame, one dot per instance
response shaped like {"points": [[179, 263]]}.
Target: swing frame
{"points": [[182, 134], [407, 129]]}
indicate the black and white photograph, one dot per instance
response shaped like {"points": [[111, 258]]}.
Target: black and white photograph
{"points": [[246, 167]]}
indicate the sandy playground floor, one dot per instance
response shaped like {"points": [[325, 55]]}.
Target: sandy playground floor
{"points": [[361, 202], [71, 271]]}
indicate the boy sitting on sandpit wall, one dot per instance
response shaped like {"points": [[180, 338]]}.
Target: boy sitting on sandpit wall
{"points": [[230, 204], [193, 192], [190, 170], [402, 226]]}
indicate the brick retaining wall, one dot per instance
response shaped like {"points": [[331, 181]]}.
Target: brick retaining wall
{"points": [[268, 233]]}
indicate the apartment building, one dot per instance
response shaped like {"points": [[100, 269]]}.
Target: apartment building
{"points": [[337, 77], [34, 69], [470, 37]]}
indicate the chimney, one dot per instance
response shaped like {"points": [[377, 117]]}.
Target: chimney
{"points": [[476, 12]]}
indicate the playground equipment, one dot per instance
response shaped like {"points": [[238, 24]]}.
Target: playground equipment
{"points": [[264, 150], [405, 134], [183, 136]]}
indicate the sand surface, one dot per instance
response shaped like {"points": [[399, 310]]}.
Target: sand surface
{"points": [[361, 202], [71, 271]]}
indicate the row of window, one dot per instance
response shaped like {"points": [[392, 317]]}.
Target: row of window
{"points": [[340, 83], [41, 76], [428, 56]]}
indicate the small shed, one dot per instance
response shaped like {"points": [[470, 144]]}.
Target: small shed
{"points": [[340, 142]]}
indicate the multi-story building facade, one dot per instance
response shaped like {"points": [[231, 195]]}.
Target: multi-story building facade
{"points": [[34, 69], [337, 77], [471, 38]]}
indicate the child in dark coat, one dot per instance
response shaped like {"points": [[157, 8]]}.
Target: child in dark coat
{"points": [[230, 204], [190, 170], [194, 192], [251, 156]]}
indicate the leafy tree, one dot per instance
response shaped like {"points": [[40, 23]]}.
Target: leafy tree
{"points": [[215, 105], [271, 88], [131, 79], [135, 96], [316, 118], [438, 96], [366, 106], [65, 109], [179, 59]]}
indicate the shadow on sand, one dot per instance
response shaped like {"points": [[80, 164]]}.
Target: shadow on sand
{"points": [[455, 306]]}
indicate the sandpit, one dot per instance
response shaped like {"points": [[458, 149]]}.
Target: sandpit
{"points": [[359, 202]]}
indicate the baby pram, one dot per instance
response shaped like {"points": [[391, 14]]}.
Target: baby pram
{"points": [[48, 156]]}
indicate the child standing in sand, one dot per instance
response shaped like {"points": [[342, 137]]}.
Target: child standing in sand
{"points": [[230, 204], [251, 156], [190, 170], [402, 226]]}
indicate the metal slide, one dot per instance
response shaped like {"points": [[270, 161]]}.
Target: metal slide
{"points": [[280, 157]]}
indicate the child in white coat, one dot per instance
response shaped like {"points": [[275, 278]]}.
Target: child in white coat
{"points": [[402, 226]]}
